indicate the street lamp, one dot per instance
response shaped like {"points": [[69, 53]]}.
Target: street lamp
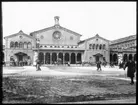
{"points": [[37, 42]]}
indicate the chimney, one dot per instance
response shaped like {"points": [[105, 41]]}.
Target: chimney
{"points": [[56, 20]]}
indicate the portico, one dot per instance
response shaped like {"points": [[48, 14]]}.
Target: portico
{"points": [[60, 56]]}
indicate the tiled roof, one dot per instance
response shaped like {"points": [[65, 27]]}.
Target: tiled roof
{"points": [[123, 39], [81, 41]]}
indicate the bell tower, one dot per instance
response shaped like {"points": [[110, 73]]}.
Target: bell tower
{"points": [[56, 20]]}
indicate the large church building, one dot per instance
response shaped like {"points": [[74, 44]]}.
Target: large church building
{"points": [[54, 43]]}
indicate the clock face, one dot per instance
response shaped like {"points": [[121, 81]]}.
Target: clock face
{"points": [[57, 35]]}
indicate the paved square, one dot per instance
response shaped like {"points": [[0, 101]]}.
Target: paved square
{"points": [[67, 84]]}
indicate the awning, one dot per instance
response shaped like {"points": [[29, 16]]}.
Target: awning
{"points": [[98, 54], [20, 53]]}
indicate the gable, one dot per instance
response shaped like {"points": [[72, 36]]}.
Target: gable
{"points": [[47, 36], [54, 27], [97, 36], [18, 34], [19, 37]]}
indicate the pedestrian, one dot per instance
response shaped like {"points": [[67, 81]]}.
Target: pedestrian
{"points": [[131, 70], [38, 65], [68, 63], [99, 66]]}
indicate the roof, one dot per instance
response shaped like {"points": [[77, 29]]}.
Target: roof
{"points": [[93, 38], [81, 41], [19, 33], [54, 27], [131, 37]]}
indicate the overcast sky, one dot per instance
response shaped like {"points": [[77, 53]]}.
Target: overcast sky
{"points": [[111, 20]]}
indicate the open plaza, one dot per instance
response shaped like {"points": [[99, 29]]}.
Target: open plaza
{"points": [[44, 63], [67, 84]]}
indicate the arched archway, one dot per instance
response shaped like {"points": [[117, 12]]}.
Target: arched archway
{"points": [[79, 57], [111, 58], [73, 58], [60, 58], [54, 58], [47, 58], [66, 57], [130, 56], [115, 59], [41, 58], [125, 58]]}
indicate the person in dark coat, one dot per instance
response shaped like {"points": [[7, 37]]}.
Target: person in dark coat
{"points": [[131, 70], [99, 66], [38, 65]]}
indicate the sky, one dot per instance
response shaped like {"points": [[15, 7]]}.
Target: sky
{"points": [[110, 20]]}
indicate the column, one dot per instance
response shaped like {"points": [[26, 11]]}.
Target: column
{"points": [[44, 57], [50, 58], [57, 56], [70, 58], [76, 58], [63, 58]]}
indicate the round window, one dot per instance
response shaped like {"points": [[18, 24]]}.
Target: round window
{"points": [[57, 35], [21, 36]]}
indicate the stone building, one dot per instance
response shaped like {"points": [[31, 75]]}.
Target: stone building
{"points": [[122, 49], [59, 43], [95, 48]]}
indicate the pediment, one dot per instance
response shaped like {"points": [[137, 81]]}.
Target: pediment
{"points": [[18, 34], [97, 36], [54, 27]]}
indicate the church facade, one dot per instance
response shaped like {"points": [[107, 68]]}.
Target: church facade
{"points": [[55, 43]]}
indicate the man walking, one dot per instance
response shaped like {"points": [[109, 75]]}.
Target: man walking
{"points": [[99, 66], [131, 70]]}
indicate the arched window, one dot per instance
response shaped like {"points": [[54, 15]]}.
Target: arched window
{"points": [[93, 46], [97, 46], [100, 47], [90, 46], [29, 45], [16, 45], [103, 46], [11, 44], [20, 45], [25, 45]]}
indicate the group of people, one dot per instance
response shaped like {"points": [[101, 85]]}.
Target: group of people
{"points": [[132, 67], [18, 63]]}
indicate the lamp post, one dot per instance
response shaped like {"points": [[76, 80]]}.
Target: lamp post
{"points": [[38, 62], [37, 42]]}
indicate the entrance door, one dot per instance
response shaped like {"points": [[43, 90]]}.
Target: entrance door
{"points": [[20, 57]]}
